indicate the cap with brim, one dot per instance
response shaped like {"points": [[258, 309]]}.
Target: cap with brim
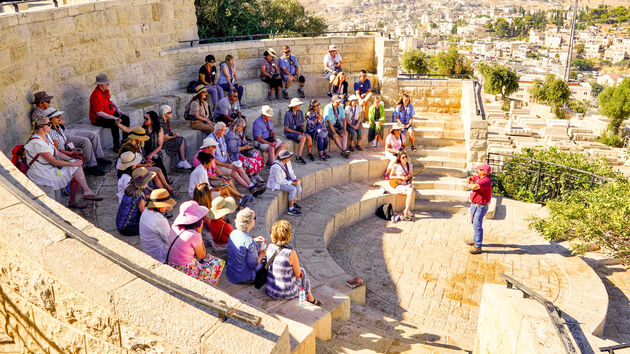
{"points": [[128, 159], [266, 111], [41, 96], [200, 88], [284, 154], [138, 133], [332, 47], [295, 102], [189, 213], [160, 198], [51, 112], [207, 142], [353, 98], [221, 207], [484, 167], [102, 79]]}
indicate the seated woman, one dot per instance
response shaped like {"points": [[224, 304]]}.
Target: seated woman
{"points": [[403, 114], [208, 78], [243, 252], [198, 112], [127, 162], [240, 148], [186, 251], [133, 202], [219, 228], [154, 227], [203, 195], [206, 172], [376, 118], [316, 128], [402, 173], [340, 88], [270, 74], [394, 143], [51, 168], [285, 278], [174, 145], [228, 78]]}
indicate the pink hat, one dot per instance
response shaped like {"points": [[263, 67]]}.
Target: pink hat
{"points": [[484, 167], [189, 213]]}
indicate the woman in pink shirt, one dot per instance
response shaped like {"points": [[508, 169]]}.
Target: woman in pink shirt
{"points": [[394, 143], [186, 250]]}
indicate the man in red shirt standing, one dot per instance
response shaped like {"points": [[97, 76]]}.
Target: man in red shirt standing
{"points": [[104, 112], [480, 196]]}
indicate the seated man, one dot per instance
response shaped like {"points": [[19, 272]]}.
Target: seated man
{"points": [[228, 109], [104, 112], [294, 129], [41, 100], [363, 90], [282, 177], [290, 71], [335, 120], [332, 66], [264, 136]]}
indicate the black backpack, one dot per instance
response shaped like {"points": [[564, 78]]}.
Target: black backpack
{"points": [[385, 211], [191, 87]]}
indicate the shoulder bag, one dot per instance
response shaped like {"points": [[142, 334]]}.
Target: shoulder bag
{"points": [[263, 272]]}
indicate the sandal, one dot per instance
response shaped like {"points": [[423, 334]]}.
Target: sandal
{"points": [[77, 206], [95, 197], [316, 302], [173, 192]]}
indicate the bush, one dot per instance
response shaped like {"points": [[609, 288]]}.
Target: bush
{"points": [[611, 139], [414, 61], [599, 215]]}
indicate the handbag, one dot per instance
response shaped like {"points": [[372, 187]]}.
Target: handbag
{"points": [[263, 272], [171, 246]]}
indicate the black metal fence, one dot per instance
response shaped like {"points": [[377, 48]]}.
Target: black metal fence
{"points": [[534, 180], [274, 35]]}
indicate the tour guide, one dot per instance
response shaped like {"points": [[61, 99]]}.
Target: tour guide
{"points": [[480, 196]]}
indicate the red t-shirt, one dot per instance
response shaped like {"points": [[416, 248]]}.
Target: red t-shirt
{"points": [[484, 193], [100, 101], [215, 229]]}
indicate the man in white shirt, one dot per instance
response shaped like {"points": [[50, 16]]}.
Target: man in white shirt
{"points": [[282, 177], [332, 66], [154, 227]]}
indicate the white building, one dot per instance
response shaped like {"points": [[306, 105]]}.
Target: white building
{"points": [[553, 41]]}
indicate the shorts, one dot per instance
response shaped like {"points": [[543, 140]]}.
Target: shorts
{"points": [[293, 136], [301, 78], [328, 74], [264, 147], [224, 170], [339, 131]]}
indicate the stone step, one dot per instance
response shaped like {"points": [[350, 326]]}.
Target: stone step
{"points": [[436, 161], [435, 142], [436, 123], [438, 133], [453, 152], [443, 171]]}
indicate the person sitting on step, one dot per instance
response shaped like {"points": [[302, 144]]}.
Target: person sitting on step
{"points": [[219, 227], [174, 144], [286, 278], [104, 112], [290, 72], [335, 120], [316, 128], [265, 138], [376, 118], [244, 253], [333, 64], [282, 177], [403, 114], [355, 122], [294, 129], [125, 165], [228, 109], [208, 78], [133, 203], [241, 149], [154, 227], [340, 88], [363, 90], [198, 112], [394, 143], [402, 171], [228, 77], [270, 73]]}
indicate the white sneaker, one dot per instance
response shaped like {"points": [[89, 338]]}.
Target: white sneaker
{"points": [[184, 164], [374, 143], [378, 144]]}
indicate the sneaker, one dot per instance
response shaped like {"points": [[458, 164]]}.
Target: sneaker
{"points": [[358, 148], [285, 95], [301, 92], [326, 154], [329, 94], [296, 206], [270, 97], [103, 162], [373, 143], [246, 199], [343, 154], [474, 250], [310, 156], [469, 241], [413, 148], [185, 165], [294, 212], [322, 157], [351, 148], [277, 95], [300, 160], [257, 189], [378, 144]]}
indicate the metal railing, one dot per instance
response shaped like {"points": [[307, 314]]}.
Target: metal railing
{"points": [[224, 312], [249, 37], [16, 3], [553, 312], [545, 180], [611, 349]]}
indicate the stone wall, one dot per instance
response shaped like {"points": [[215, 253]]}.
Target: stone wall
{"points": [[475, 127], [433, 95], [61, 50]]}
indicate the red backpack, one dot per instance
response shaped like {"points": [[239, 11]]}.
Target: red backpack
{"points": [[18, 158]]}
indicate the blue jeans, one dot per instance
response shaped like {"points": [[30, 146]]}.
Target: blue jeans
{"points": [[293, 191], [215, 92], [238, 89], [477, 213]]}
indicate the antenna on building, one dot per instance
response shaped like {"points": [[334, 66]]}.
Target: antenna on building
{"points": [[567, 68]]}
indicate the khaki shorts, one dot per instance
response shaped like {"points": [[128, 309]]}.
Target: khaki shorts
{"points": [[224, 170]]}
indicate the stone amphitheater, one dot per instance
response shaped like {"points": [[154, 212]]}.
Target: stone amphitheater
{"points": [[70, 283]]}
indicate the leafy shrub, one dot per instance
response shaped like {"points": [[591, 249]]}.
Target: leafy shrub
{"points": [[599, 215], [611, 139], [414, 61]]}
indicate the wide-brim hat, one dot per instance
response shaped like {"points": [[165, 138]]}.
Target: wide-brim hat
{"points": [[221, 207], [266, 111], [52, 112], [102, 79], [353, 98], [272, 52], [160, 198], [484, 167], [332, 47], [284, 154], [336, 98], [200, 88], [189, 213], [141, 177], [397, 126], [41, 96], [128, 159], [207, 142], [295, 102], [138, 133]]}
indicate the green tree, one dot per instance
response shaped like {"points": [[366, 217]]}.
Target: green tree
{"points": [[614, 103], [498, 79], [583, 64], [553, 91], [450, 62], [414, 61], [596, 88]]}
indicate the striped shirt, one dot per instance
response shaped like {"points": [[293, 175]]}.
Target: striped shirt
{"points": [[281, 280]]}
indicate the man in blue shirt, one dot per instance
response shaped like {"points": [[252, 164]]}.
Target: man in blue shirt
{"points": [[290, 71], [264, 137], [335, 120], [363, 90]]}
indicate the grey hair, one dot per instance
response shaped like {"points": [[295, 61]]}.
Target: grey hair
{"points": [[237, 122], [165, 108], [219, 125], [244, 218]]}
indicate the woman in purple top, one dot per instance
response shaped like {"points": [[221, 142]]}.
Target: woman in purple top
{"points": [[270, 73]]}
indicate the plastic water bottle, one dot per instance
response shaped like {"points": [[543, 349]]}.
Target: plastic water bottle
{"points": [[302, 298]]}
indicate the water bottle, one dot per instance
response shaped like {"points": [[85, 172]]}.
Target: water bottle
{"points": [[302, 298]]}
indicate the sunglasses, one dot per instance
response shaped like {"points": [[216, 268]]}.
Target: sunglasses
{"points": [[171, 112], [287, 51], [46, 124]]}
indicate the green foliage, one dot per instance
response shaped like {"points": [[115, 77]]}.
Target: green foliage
{"points": [[520, 26], [603, 14], [414, 61], [553, 91], [611, 139], [499, 79], [220, 18], [450, 62], [577, 106], [583, 64], [519, 183], [596, 88], [599, 215], [614, 103]]}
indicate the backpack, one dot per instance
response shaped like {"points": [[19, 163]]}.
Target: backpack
{"points": [[385, 211], [191, 87], [18, 158]]}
